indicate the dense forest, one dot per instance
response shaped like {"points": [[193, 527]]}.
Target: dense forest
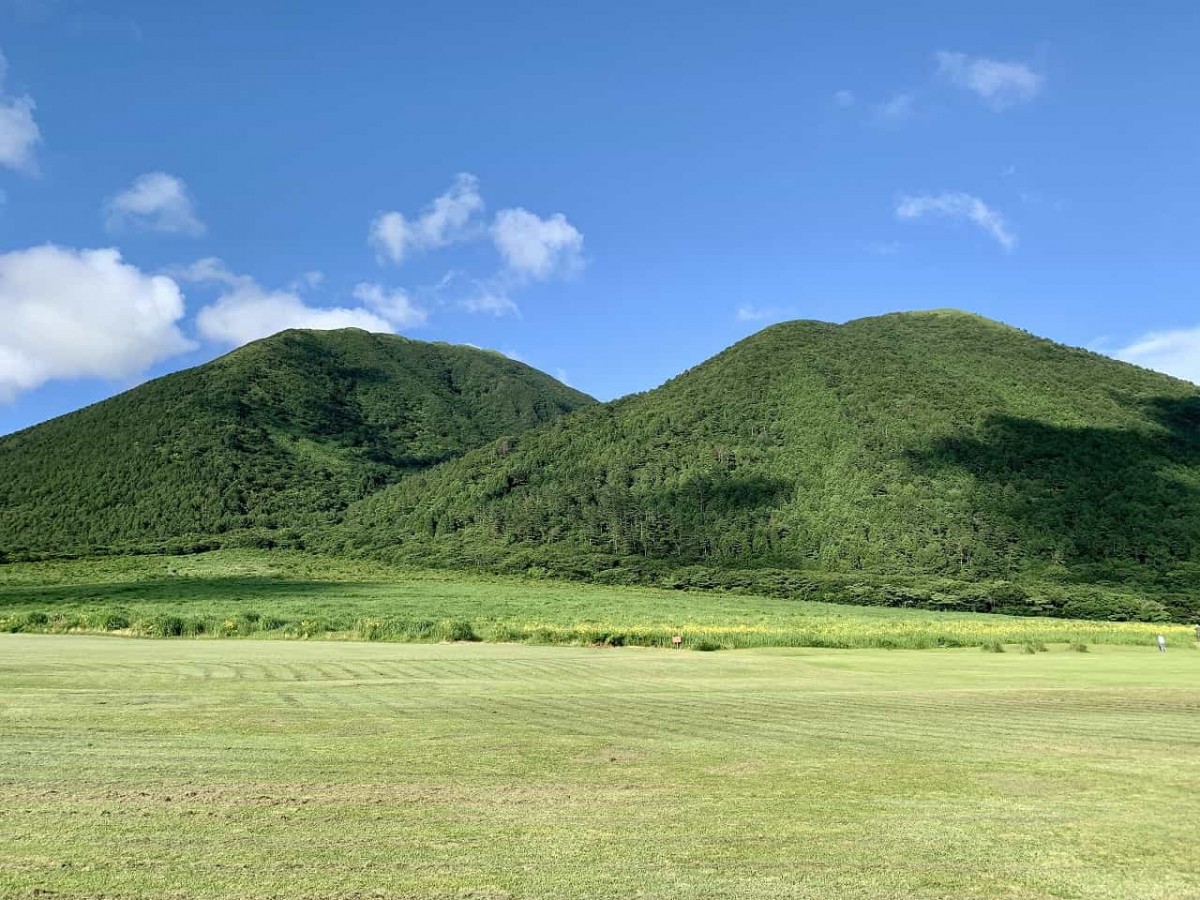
{"points": [[931, 459], [261, 444], [933, 444]]}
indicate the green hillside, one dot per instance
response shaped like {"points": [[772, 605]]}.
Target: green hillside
{"points": [[938, 444], [260, 444]]}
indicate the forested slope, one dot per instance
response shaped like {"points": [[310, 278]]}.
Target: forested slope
{"points": [[939, 443], [260, 444]]}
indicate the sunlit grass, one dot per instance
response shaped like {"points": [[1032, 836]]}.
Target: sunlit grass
{"points": [[293, 596], [258, 770]]}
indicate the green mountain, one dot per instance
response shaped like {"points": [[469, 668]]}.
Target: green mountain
{"points": [[938, 444], [273, 438]]}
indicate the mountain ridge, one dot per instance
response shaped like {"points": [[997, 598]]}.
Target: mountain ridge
{"points": [[933, 458]]}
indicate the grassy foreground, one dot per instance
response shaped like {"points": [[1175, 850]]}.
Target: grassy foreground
{"points": [[267, 769], [293, 595]]}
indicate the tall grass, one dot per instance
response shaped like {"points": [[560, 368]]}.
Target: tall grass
{"points": [[300, 597], [924, 632]]}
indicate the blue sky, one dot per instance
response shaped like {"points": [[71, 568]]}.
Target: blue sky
{"points": [[611, 192]]}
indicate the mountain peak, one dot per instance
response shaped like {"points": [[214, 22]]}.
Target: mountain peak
{"points": [[278, 434], [936, 442]]}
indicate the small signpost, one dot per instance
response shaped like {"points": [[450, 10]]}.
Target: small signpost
{"points": [[677, 640]]}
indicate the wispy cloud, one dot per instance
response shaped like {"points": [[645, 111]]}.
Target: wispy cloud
{"points": [[19, 132], [896, 109], [106, 26], [155, 201], [395, 305], [881, 248], [999, 84], [459, 290], [307, 281], [560, 374], [29, 10], [449, 218], [748, 312], [490, 298], [1175, 352], [72, 16], [958, 206], [844, 99]]}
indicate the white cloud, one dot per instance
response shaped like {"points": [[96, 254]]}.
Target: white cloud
{"points": [[155, 201], [537, 248], [82, 314], [1171, 352], [247, 314], [246, 311], [394, 305], [958, 206], [531, 248], [19, 133], [448, 219], [844, 99], [999, 84], [899, 108]]}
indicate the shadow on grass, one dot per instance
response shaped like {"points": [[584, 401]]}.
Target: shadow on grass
{"points": [[176, 590]]}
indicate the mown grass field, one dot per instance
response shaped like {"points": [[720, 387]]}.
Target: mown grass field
{"points": [[292, 595], [321, 769]]}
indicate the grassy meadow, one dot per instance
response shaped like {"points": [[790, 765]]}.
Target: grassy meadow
{"points": [[298, 596], [322, 769]]}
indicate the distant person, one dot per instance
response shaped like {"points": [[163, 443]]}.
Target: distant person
{"points": [[1198, 632], [1162, 644]]}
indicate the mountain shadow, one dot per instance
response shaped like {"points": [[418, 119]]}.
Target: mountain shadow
{"points": [[1083, 495]]}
